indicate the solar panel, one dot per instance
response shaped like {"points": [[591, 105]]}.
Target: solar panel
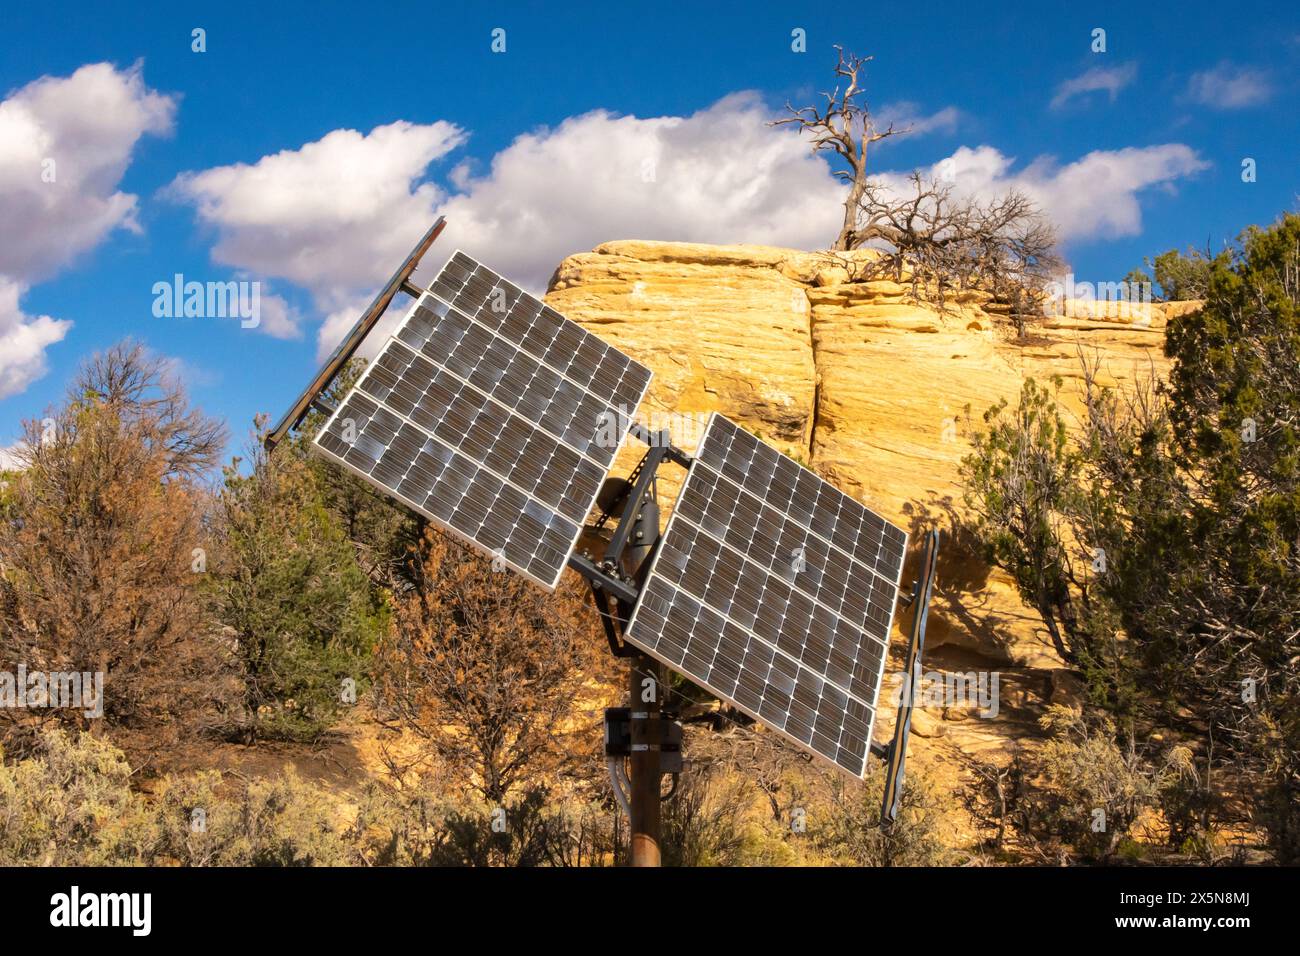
{"points": [[492, 415], [608, 376], [776, 592]]}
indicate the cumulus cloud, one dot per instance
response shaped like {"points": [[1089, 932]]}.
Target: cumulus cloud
{"points": [[1229, 87], [286, 214], [65, 143], [338, 322], [337, 215], [279, 319], [23, 340], [1096, 196], [333, 217], [1104, 79], [718, 175]]}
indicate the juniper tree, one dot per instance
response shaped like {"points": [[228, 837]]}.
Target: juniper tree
{"points": [[301, 612], [1192, 490]]}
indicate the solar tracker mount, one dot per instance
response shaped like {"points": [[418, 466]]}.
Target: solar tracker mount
{"points": [[489, 414]]}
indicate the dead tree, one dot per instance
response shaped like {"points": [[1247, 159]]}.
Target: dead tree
{"points": [[942, 238], [947, 241], [846, 127]]}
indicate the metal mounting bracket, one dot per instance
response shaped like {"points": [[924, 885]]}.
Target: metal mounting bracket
{"points": [[399, 281]]}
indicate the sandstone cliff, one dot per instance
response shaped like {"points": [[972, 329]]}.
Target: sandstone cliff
{"points": [[870, 389]]}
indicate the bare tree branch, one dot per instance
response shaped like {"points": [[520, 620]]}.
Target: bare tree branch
{"points": [[942, 239]]}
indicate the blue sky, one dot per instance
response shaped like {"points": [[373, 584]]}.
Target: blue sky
{"points": [[237, 161]]}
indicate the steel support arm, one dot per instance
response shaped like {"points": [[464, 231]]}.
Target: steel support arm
{"points": [[400, 281]]}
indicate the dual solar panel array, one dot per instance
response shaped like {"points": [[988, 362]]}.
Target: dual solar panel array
{"points": [[498, 419]]}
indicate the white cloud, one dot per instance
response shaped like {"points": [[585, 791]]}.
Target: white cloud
{"points": [[1096, 196], [23, 340], [279, 319], [334, 217], [720, 175], [87, 124], [287, 213], [65, 143], [1107, 79], [1229, 87], [11, 457], [337, 215]]}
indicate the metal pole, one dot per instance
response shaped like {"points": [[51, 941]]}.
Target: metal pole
{"points": [[629, 550], [643, 823], [896, 753]]}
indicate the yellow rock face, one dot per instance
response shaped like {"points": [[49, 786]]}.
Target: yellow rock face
{"points": [[722, 327], [875, 392]]}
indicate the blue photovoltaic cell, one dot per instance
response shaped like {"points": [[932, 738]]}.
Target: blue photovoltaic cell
{"points": [[493, 430], [776, 591]]}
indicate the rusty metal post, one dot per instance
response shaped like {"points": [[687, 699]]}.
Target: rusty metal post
{"points": [[643, 770]]}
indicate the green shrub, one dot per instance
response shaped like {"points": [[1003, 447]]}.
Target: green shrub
{"points": [[71, 804], [289, 587], [706, 822], [1096, 788]]}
